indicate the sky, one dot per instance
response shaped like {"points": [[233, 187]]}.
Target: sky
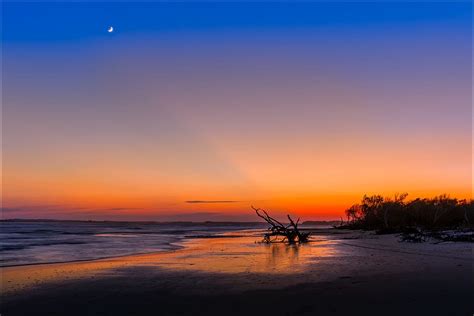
{"points": [[196, 111]]}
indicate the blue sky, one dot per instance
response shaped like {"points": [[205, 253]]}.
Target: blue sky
{"points": [[72, 21]]}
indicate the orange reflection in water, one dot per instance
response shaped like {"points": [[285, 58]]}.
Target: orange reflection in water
{"points": [[244, 254]]}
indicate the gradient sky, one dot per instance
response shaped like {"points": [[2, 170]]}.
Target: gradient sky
{"points": [[195, 111]]}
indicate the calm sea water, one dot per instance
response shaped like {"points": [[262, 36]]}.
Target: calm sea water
{"points": [[63, 241]]}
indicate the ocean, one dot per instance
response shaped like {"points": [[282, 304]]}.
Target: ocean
{"points": [[32, 242]]}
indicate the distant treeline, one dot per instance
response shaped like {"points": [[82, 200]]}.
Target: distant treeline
{"points": [[397, 213]]}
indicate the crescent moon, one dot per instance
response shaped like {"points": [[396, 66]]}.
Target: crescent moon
{"points": [[110, 29]]}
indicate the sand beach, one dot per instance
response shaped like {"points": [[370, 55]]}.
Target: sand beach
{"points": [[339, 272]]}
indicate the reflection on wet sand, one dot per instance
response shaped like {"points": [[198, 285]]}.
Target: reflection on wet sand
{"points": [[212, 255], [246, 255]]}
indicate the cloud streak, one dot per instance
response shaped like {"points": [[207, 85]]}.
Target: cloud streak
{"points": [[210, 201]]}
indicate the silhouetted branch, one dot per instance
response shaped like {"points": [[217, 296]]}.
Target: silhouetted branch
{"points": [[289, 232]]}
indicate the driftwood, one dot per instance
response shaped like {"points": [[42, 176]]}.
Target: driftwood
{"points": [[290, 232]]}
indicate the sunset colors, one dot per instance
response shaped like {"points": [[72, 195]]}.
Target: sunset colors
{"points": [[197, 111]]}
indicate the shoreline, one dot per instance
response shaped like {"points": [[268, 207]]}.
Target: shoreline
{"points": [[178, 245], [213, 271]]}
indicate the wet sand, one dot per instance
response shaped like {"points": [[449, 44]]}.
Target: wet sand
{"points": [[338, 273]]}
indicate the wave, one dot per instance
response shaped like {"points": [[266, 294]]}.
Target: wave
{"points": [[46, 242]]}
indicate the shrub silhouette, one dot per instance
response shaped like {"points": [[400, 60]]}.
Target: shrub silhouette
{"points": [[396, 214]]}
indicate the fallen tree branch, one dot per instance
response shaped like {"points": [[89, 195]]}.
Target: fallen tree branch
{"points": [[289, 232]]}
